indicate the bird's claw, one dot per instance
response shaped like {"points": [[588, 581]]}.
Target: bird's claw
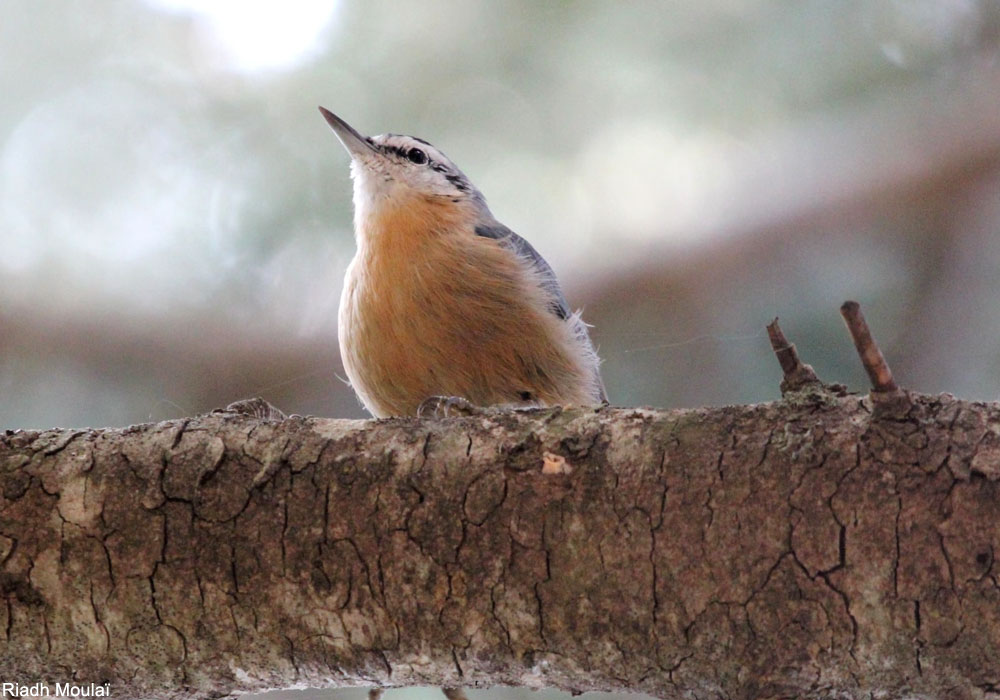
{"points": [[254, 408], [446, 407]]}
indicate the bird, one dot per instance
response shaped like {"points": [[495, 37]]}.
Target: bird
{"points": [[443, 307]]}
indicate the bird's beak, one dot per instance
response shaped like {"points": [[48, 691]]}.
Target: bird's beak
{"points": [[355, 143]]}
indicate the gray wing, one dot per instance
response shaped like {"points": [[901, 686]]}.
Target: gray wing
{"points": [[526, 251], [557, 300]]}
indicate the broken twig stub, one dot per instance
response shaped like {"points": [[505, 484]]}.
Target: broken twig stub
{"points": [[796, 373], [868, 350]]}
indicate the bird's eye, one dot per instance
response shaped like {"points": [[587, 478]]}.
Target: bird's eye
{"points": [[417, 156]]}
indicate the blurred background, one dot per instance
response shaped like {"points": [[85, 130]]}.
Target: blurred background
{"points": [[175, 215]]}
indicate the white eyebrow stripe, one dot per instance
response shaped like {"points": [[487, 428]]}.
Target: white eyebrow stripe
{"points": [[401, 143]]}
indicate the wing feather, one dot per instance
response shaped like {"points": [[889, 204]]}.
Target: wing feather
{"points": [[526, 251], [557, 300]]}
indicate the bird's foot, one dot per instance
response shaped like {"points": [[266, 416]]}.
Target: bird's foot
{"points": [[254, 408], [447, 407]]}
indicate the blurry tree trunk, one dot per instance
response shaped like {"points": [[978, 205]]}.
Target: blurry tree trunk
{"points": [[815, 547]]}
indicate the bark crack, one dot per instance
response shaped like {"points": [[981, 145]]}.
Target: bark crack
{"points": [[779, 572]]}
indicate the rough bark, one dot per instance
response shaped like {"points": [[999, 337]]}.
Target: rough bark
{"points": [[820, 546]]}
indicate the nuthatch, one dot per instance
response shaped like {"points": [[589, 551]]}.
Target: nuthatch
{"points": [[442, 300]]}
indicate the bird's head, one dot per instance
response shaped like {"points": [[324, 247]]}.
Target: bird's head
{"points": [[394, 169]]}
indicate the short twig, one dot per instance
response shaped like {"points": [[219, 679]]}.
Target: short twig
{"points": [[871, 357], [796, 373]]}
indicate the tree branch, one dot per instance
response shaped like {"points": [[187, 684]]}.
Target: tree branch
{"points": [[810, 547]]}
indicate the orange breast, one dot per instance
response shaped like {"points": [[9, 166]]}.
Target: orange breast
{"points": [[430, 308]]}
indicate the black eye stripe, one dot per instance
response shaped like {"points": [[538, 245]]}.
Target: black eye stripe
{"points": [[406, 153], [421, 157], [457, 182]]}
